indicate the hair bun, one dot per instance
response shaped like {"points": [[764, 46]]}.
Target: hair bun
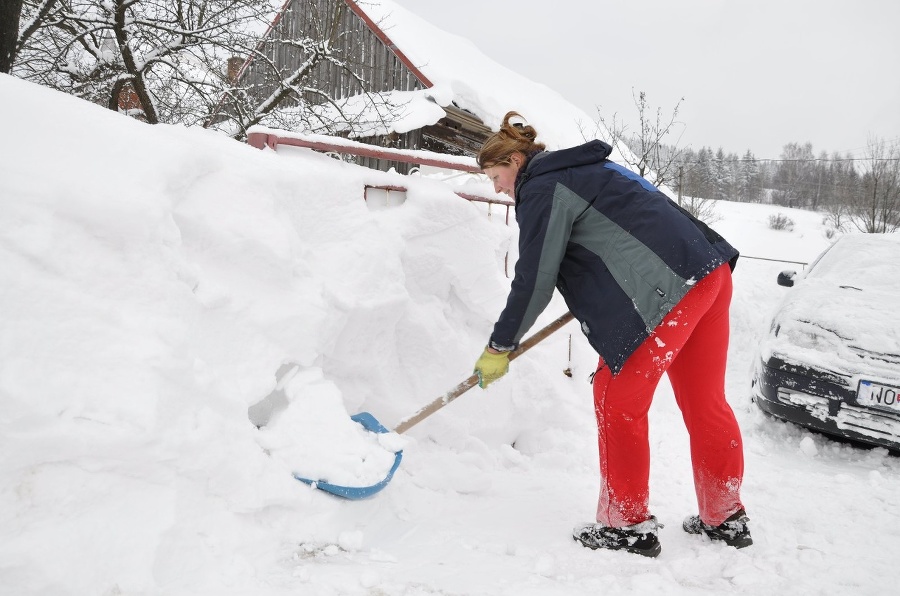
{"points": [[515, 135], [516, 120]]}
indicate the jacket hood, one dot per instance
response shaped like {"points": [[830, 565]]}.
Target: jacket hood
{"points": [[548, 161]]}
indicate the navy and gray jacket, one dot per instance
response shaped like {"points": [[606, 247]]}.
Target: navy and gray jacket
{"points": [[621, 253]]}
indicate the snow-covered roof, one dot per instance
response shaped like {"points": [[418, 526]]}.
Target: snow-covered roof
{"points": [[461, 74]]}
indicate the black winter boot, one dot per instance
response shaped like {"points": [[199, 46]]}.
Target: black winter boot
{"points": [[640, 539], [733, 531]]}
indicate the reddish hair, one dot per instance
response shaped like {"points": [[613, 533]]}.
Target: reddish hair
{"points": [[513, 136]]}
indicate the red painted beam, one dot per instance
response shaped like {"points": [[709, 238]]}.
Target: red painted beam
{"points": [[271, 140]]}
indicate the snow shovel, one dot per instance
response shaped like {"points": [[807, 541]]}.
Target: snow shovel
{"points": [[371, 424]]}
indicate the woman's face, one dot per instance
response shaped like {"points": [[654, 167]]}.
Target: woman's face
{"points": [[503, 176]]}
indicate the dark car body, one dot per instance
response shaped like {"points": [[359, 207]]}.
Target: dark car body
{"points": [[831, 359]]}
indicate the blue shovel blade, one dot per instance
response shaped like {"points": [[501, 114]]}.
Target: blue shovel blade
{"points": [[354, 493]]}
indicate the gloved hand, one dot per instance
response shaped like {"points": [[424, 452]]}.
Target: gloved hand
{"points": [[491, 367]]}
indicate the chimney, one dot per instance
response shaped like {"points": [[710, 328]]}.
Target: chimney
{"points": [[129, 103], [128, 99], [235, 63]]}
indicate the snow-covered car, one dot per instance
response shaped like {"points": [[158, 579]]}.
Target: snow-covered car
{"points": [[831, 359]]}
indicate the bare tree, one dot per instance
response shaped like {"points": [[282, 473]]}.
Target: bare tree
{"points": [[838, 215], [701, 208], [168, 60], [10, 11], [841, 183], [794, 179], [876, 208], [646, 152]]}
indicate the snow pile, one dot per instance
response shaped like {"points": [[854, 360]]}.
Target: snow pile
{"points": [[155, 282], [186, 321]]}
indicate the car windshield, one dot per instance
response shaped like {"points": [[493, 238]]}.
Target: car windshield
{"points": [[853, 260]]}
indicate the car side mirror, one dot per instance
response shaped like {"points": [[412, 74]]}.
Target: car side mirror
{"points": [[786, 278]]}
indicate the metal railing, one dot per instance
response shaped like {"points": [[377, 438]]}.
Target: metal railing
{"points": [[261, 137], [775, 260]]}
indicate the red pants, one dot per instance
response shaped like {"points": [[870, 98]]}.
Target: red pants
{"points": [[691, 344]]}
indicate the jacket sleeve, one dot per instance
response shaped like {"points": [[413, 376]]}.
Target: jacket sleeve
{"points": [[545, 225]]}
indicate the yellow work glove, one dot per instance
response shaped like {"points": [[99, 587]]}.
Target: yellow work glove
{"points": [[491, 367]]}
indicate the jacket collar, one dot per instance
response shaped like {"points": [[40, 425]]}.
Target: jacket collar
{"points": [[541, 162]]}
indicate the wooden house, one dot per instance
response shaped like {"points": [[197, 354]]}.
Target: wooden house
{"points": [[372, 57]]}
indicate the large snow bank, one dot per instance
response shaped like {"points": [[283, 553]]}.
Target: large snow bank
{"points": [[165, 290]]}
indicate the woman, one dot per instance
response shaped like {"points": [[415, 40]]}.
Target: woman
{"points": [[651, 287]]}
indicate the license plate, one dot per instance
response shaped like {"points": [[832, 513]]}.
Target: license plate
{"points": [[878, 395]]}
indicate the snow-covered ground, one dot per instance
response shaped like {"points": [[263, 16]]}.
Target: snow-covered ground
{"points": [[155, 280]]}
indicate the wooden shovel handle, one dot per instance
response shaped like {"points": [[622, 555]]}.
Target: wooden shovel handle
{"points": [[411, 421]]}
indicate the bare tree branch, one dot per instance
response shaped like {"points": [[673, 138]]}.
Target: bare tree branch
{"points": [[645, 150]]}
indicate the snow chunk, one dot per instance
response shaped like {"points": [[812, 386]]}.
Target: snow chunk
{"points": [[808, 447], [315, 437]]}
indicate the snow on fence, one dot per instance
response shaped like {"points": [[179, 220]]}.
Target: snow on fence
{"points": [[262, 137]]}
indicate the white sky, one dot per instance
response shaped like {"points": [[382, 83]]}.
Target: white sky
{"points": [[753, 75]]}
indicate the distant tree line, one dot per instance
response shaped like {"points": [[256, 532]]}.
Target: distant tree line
{"points": [[855, 193], [180, 61], [861, 193]]}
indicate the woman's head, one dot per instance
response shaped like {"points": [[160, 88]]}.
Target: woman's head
{"points": [[505, 152], [514, 136]]}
